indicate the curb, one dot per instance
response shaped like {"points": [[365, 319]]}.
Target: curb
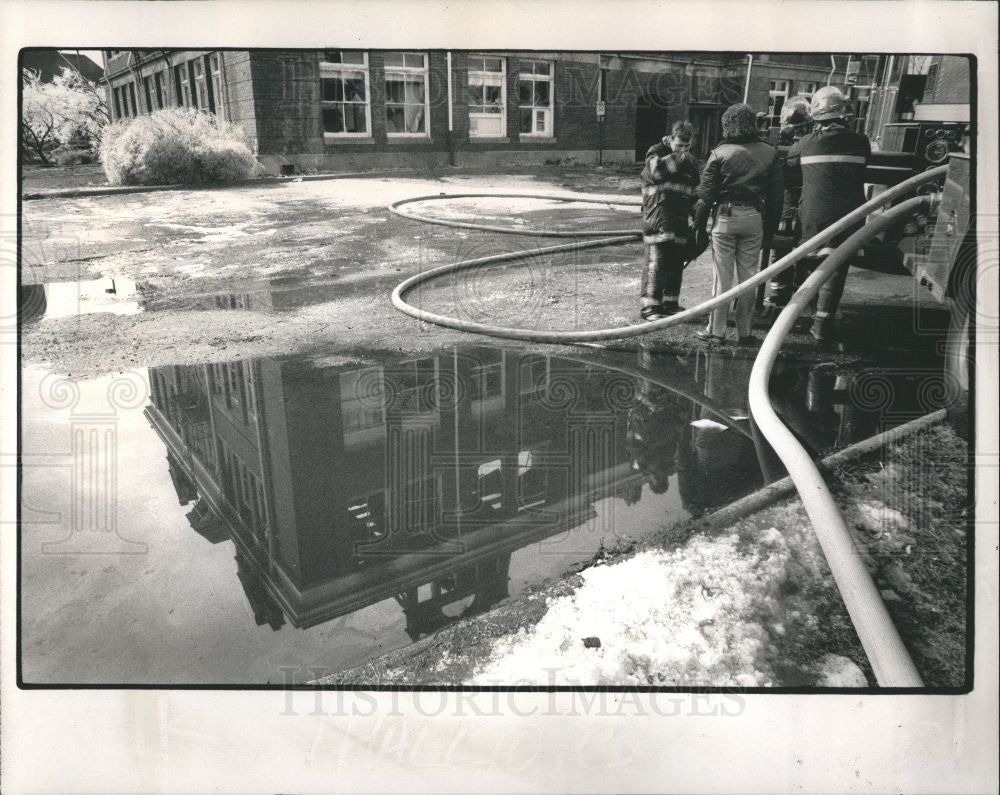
{"points": [[115, 190], [730, 514]]}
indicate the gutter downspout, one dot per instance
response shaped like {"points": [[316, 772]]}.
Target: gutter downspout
{"points": [[746, 88], [451, 119]]}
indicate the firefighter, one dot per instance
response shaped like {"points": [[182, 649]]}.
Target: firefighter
{"points": [[669, 180], [741, 189], [796, 121], [830, 161]]}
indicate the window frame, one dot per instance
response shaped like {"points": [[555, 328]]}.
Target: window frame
{"points": [[800, 84], [550, 110], [329, 70], [405, 71], [184, 98], [774, 114], [215, 65], [201, 85], [483, 74]]}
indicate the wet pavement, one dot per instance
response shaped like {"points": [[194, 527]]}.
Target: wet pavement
{"points": [[225, 523]]}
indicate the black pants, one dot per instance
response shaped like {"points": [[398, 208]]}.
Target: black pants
{"points": [[661, 278], [781, 287]]}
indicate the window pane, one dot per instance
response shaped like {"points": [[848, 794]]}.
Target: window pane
{"points": [[540, 117], [542, 93], [356, 122], [333, 90], [492, 64], [485, 126], [525, 92], [354, 87], [415, 60], [542, 68], [492, 94], [524, 120], [352, 56], [476, 64], [394, 59], [476, 95], [395, 119], [333, 120], [415, 90], [415, 118], [332, 56], [394, 90]]}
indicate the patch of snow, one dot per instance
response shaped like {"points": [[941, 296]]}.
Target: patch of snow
{"points": [[837, 671], [877, 516], [699, 615]]}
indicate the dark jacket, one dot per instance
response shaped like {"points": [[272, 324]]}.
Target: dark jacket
{"points": [[746, 171], [669, 181], [830, 164]]}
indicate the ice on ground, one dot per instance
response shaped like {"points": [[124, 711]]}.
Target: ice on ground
{"points": [[877, 516], [699, 615], [837, 671]]}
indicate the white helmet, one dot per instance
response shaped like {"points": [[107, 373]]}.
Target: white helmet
{"points": [[828, 103]]}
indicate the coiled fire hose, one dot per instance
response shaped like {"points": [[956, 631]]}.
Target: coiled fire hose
{"points": [[889, 658], [617, 238]]}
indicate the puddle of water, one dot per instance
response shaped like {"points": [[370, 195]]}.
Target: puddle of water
{"points": [[223, 523], [116, 295]]}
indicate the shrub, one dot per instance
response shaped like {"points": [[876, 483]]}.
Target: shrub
{"points": [[72, 155], [175, 145]]}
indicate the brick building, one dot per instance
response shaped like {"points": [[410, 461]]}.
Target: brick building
{"points": [[358, 109]]}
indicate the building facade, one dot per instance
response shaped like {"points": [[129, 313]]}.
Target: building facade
{"points": [[321, 110]]}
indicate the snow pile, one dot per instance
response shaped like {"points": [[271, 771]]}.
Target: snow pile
{"points": [[700, 615]]}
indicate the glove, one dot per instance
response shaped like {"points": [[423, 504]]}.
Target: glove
{"points": [[700, 243]]}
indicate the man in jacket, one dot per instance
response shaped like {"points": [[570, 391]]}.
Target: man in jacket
{"points": [[830, 161], [742, 182], [669, 179]]}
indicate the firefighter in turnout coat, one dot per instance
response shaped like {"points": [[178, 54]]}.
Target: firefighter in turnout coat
{"points": [[830, 162], [669, 181]]}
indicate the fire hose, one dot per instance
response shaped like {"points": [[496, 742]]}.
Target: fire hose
{"points": [[879, 637]]}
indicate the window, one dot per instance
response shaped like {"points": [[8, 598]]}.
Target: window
{"points": [[201, 86], [807, 88], [116, 94], [535, 99], [776, 95], [344, 77], [183, 85], [406, 109], [149, 94], [487, 97], [158, 83], [216, 67]]}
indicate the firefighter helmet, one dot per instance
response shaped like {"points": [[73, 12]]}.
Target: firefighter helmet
{"points": [[796, 112], [828, 103]]}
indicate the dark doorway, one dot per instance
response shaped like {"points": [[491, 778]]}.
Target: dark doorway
{"points": [[650, 124], [706, 120]]}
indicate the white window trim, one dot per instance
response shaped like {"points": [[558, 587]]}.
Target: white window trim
{"points": [[215, 64], [551, 78], [326, 68], [411, 70], [772, 93], [503, 97], [801, 93], [201, 85], [186, 97]]}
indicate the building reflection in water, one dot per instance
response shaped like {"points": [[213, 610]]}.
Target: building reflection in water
{"points": [[416, 478]]}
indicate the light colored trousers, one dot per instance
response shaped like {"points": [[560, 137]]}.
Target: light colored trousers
{"points": [[736, 241]]}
